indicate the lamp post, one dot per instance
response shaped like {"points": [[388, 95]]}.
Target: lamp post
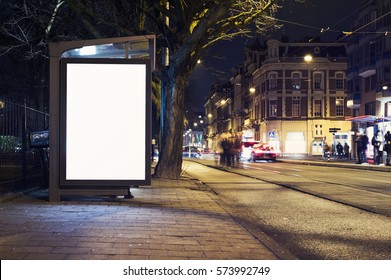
{"points": [[189, 144]]}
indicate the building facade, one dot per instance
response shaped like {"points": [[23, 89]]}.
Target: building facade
{"points": [[369, 67], [280, 99], [218, 113], [295, 105], [297, 102]]}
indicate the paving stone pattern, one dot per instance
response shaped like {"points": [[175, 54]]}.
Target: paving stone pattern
{"points": [[172, 219]]}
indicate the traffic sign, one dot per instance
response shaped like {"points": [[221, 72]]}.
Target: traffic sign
{"points": [[334, 129]]}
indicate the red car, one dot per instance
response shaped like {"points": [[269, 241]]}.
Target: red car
{"points": [[263, 152]]}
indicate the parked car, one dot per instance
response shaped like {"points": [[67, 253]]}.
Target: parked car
{"points": [[263, 152], [247, 148], [194, 152]]}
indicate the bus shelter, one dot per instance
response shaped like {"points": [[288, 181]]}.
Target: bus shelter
{"points": [[100, 116], [370, 124]]}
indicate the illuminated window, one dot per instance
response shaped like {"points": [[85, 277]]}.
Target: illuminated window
{"points": [[339, 107]]}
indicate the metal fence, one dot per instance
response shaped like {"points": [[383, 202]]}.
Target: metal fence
{"points": [[21, 165]]}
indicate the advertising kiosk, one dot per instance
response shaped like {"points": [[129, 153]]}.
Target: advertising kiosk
{"points": [[100, 116]]}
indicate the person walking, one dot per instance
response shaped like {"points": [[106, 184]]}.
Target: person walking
{"points": [[358, 149], [226, 145], [387, 147], [326, 151], [377, 142], [237, 145], [364, 147], [346, 150], [217, 150], [339, 150]]}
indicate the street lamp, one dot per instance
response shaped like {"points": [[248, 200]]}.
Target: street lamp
{"points": [[308, 58], [252, 89]]}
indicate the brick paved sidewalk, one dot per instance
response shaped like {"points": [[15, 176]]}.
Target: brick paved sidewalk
{"points": [[172, 219]]}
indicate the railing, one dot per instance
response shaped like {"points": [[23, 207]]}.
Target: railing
{"points": [[21, 166], [301, 59]]}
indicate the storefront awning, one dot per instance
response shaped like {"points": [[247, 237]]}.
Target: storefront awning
{"points": [[369, 119]]}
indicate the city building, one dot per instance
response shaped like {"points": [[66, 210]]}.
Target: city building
{"points": [[340, 91], [218, 113], [300, 97], [369, 68], [283, 100]]}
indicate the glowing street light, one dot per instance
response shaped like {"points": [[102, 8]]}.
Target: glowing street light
{"points": [[308, 58]]}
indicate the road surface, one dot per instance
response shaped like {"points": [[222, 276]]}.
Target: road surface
{"points": [[314, 212]]}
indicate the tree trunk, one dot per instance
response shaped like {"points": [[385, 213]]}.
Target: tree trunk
{"points": [[170, 156]]}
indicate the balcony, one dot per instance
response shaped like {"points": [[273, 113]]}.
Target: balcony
{"points": [[383, 94], [368, 68]]}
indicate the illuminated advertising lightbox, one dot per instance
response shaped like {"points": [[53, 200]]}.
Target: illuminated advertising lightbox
{"points": [[105, 122]]}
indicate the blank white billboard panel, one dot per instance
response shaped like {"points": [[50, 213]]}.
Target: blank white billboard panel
{"points": [[106, 114]]}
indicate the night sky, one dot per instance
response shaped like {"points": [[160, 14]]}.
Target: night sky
{"points": [[299, 21]]}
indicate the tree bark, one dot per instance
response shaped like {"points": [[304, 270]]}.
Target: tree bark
{"points": [[170, 156]]}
